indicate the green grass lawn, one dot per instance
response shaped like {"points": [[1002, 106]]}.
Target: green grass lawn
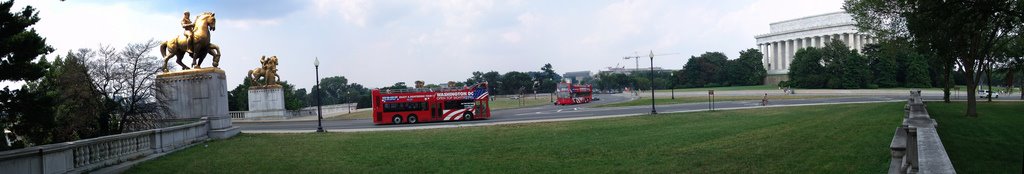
{"points": [[701, 99], [852, 138], [500, 103], [726, 88], [991, 143]]}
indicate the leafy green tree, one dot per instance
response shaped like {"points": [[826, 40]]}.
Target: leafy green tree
{"points": [[706, 69], [238, 98], [883, 64], [291, 100], [846, 68], [548, 79], [513, 81], [917, 72], [747, 69], [24, 111], [21, 45], [303, 97], [806, 70], [963, 32], [492, 79], [81, 111]]}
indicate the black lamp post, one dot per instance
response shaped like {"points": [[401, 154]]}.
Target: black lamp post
{"points": [[349, 102], [653, 111], [673, 76], [319, 113]]}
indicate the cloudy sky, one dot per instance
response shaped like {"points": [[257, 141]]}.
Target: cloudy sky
{"points": [[380, 42]]}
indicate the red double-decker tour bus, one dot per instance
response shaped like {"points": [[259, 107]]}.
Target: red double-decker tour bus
{"points": [[430, 104], [569, 94]]}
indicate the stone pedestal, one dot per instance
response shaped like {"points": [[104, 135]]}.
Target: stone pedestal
{"points": [[266, 101], [198, 94]]}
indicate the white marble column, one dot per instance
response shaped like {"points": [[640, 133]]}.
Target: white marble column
{"points": [[785, 54], [775, 55], [849, 40], [790, 49], [798, 44], [808, 42], [856, 41], [818, 41]]}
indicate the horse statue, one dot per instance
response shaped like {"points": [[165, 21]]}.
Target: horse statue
{"points": [[267, 72], [176, 47]]}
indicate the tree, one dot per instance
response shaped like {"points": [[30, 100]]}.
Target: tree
{"points": [[806, 70], [238, 98], [81, 111], [705, 70], [303, 97], [968, 42], [547, 79], [21, 44], [291, 100], [513, 81], [917, 72], [492, 79], [747, 69], [848, 69], [23, 110], [884, 65]]}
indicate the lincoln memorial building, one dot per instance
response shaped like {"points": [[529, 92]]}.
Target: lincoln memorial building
{"points": [[786, 37]]}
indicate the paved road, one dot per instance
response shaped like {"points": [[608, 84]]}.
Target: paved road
{"points": [[561, 112]]}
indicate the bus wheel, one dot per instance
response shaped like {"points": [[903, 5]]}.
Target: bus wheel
{"points": [[412, 119], [396, 120], [467, 116]]}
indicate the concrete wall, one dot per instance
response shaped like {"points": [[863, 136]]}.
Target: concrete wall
{"points": [[774, 79], [915, 146], [96, 153]]}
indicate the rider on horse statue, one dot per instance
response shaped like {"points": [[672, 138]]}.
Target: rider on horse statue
{"points": [[188, 25]]}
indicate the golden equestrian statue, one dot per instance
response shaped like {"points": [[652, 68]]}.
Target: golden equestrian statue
{"points": [[195, 42], [267, 72]]}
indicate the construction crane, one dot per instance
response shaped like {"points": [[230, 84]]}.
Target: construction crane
{"points": [[637, 57], [651, 55]]}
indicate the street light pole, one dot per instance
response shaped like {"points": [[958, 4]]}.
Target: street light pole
{"points": [[349, 107], [653, 111], [319, 113]]}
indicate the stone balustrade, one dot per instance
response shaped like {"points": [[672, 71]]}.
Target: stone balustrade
{"points": [[306, 111], [96, 153], [915, 146], [236, 114]]}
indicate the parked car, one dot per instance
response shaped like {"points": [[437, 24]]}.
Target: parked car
{"points": [[984, 93]]}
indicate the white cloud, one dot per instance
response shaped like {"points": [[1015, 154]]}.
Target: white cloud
{"points": [[251, 23], [353, 11]]}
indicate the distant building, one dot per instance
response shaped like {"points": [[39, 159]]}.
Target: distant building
{"points": [[576, 76], [786, 37]]}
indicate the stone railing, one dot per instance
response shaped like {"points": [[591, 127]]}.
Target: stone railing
{"points": [[306, 111], [915, 146], [95, 153], [236, 114]]}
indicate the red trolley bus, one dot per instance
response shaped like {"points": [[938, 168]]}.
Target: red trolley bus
{"points": [[430, 104], [569, 94]]}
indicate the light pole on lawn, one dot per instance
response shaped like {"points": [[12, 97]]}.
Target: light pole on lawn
{"points": [[673, 80], [349, 107], [653, 110], [319, 114]]}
